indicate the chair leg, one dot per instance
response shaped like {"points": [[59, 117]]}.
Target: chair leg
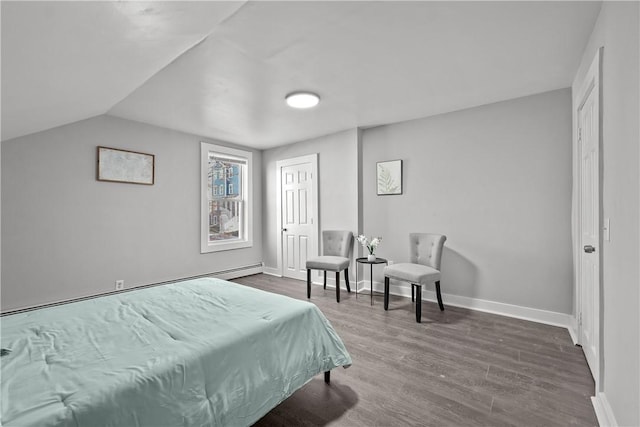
{"points": [[418, 303], [338, 286], [308, 283], [346, 279], [413, 294], [439, 296], [325, 279], [386, 293]]}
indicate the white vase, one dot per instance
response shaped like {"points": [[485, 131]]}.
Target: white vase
{"points": [[371, 258]]}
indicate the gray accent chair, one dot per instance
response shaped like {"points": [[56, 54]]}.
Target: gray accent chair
{"points": [[425, 254], [336, 256]]}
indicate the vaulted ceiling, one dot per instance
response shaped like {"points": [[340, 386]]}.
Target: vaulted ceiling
{"points": [[221, 69]]}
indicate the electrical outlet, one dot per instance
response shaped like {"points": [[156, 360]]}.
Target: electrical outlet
{"points": [[119, 285]]}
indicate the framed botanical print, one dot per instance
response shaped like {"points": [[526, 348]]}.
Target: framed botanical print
{"points": [[389, 177]]}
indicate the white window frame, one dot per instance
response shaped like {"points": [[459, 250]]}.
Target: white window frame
{"points": [[246, 232]]}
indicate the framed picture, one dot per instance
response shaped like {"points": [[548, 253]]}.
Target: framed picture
{"points": [[117, 165], [389, 177]]}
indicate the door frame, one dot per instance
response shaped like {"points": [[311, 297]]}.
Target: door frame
{"points": [[591, 82], [313, 160]]}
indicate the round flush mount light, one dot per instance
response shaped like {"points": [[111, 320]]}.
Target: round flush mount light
{"points": [[302, 99]]}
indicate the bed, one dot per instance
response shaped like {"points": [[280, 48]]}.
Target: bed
{"points": [[192, 353]]}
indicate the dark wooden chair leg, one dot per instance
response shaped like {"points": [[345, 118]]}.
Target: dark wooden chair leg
{"points": [[338, 286], [325, 279], [308, 283], [418, 303], [439, 296], [413, 294], [386, 293], [346, 279], [327, 377]]}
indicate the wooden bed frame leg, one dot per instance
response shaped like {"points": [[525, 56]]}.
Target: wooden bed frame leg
{"points": [[327, 377]]}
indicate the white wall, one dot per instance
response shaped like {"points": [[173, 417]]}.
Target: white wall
{"points": [[496, 180], [617, 30], [338, 186], [65, 234], [0, 223]]}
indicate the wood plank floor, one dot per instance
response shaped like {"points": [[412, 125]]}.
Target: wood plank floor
{"points": [[457, 368]]}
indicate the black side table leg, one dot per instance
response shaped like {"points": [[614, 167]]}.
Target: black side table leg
{"points": [[371, 281], [357, 279]]}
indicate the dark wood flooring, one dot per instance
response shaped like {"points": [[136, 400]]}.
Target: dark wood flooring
{"points": [[457, 368]]}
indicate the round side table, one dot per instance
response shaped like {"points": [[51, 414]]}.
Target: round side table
{"points": [[365, 260]]}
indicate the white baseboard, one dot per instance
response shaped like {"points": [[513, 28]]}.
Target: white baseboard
{"points": [[238, 272], [573, 330], [604, 413], [271, 271], [519, 312]]}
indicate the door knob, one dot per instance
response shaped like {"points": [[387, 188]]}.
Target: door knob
{"points": [[589, 249], [284, 229]]}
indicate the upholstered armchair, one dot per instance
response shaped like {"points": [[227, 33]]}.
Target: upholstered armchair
{"points": [[336, 256], [425, 254]]}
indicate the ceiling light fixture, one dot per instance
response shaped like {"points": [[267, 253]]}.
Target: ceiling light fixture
{"points": [[302, 99]]}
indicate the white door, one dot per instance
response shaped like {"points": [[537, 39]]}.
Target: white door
{"points": [[298, 225], [590, 248]]}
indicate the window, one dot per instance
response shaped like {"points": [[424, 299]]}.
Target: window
{"points": [[226, 198]]}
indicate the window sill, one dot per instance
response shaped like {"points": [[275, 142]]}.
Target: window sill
{"points": [[225, 246]]}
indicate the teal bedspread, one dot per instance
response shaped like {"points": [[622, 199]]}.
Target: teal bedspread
{"points": [[194, 353]]}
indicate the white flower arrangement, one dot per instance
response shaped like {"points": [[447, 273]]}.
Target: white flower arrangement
{"points": [[370, 244]]}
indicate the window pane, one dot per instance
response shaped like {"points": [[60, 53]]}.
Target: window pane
{"points": [[224, 219], [225, 178]]}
